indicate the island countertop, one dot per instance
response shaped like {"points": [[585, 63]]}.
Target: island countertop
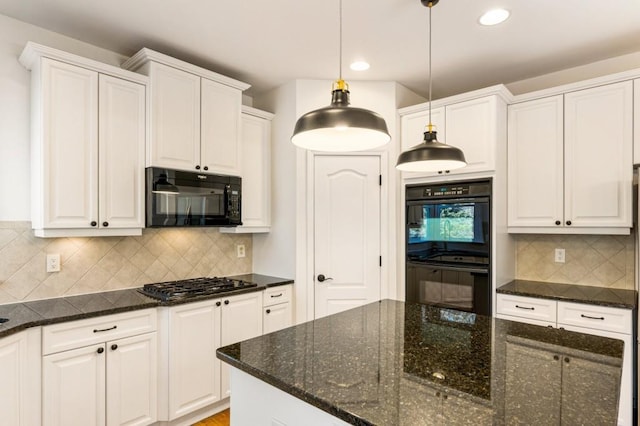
{"points": [[396, 363]]}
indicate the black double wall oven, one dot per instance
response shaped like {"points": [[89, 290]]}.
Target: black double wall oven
{"points": [[448, 245]]}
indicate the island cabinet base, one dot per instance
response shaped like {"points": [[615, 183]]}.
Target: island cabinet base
{"points": [[257, 403]]}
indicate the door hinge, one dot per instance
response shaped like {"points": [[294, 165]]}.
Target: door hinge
{"points": [[380, 180], [380, 260]]}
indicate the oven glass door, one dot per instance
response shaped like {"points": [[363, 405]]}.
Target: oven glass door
{"points": [[461, 288]]}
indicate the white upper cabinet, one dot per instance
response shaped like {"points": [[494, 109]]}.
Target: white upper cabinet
{"points": [[636, 121], [195, 115], [570, 162], [175, 118], [87, 148], [536, 163], [475, 122], [220, 147], [256, 176]]}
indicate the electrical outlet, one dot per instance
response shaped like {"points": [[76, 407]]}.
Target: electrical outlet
{"points": [[240, 250], [559, 255], [53, 263]]}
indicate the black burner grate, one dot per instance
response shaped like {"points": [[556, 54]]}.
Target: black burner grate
{"points": [[183, 289]]}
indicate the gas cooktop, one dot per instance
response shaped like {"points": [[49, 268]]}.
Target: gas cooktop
{"points": [[184, 289]]}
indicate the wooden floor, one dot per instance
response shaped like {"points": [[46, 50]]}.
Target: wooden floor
{"points": [[220, 419]]}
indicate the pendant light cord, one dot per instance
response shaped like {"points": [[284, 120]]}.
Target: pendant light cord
{"points": [[340, 42], [430, 76]]}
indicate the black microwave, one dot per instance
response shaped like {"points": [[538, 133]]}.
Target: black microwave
{"points": [[179, 198]]}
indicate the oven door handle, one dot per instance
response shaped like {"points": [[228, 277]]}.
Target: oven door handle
{"points": [[450, 268]]}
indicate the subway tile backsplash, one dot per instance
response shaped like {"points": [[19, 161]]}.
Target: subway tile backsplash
{"points": [[591, 260], [109, 263]]}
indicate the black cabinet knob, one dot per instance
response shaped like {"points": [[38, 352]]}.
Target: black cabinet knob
{"points": [[566, 359], [446, 171], [226, 302], [197, 167], [569, 223], [206, 167], [100, 350], [105, 224], [556, 357], [439, 172], [558, 222], [94, 223], [114, 347], [268, 311], [438, 394], [218, 303]]}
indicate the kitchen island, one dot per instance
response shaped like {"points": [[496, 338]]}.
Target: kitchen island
{"points": [[396, 363]]}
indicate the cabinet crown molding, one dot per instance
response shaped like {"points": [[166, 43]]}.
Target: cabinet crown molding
{"points": [[32, 53], [145, 55], [257, 112], [499, 90]]}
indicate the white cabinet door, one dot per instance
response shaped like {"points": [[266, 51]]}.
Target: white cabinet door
{"points": [[241, 319], [536, 163], [175, 118], [636, 120], [220, 131], [472, 127], [194, 370], [69, 156], [256, 171], [20, 362], [598, 143], [412, 131], [132, 380], [121, 141], [73, 392], [276, 317]]}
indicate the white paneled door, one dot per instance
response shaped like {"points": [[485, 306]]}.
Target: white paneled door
{"points": [[346, 232]]}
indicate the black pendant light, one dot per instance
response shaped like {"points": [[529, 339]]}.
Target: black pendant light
{"points": [[339, 127], [430, 155]]}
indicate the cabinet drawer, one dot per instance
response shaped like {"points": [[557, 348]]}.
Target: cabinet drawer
{"points": [[275, 295], [596, 317], [75, 334], [527, 307]]}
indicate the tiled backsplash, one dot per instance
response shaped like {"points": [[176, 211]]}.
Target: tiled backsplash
{"points": [[593, 260], [109, 263]]}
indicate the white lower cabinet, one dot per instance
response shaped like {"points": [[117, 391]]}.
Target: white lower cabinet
{"points": [[110, 381], [241, 319], [193, 370], [20, 357], [615, 323], [276, 308]]}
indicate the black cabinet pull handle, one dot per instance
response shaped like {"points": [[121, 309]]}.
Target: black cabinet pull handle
{"points": [[268, 311], [114, 347], [94, 223], [278, 295], [524, 307], [105, 329], [226, 302], [218, 303], [105, 224], [558, 222], [100, 350], [206, 167], [197, 167], [322, 278], [596, 318], [569, 223]]}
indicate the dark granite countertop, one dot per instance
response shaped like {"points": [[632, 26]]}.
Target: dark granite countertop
{"points": [[396, 363], [20, 316], [602, 296]]}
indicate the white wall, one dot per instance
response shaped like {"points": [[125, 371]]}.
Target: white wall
{"points": [[14, 108]]}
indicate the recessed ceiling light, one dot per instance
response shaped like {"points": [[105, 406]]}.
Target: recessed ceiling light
{"points": [[494, 17], [359, 66]]}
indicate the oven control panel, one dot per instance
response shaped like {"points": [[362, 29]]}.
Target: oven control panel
{"points": [[460, 189]]}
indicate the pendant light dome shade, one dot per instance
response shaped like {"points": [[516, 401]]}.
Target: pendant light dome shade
{"points": [[339, 127], [431, 156]]}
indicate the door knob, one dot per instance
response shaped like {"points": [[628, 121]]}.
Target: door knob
{"points": [[322, 278]]}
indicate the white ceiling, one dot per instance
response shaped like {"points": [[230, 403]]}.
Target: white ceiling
{"points": [[267, 43]]}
